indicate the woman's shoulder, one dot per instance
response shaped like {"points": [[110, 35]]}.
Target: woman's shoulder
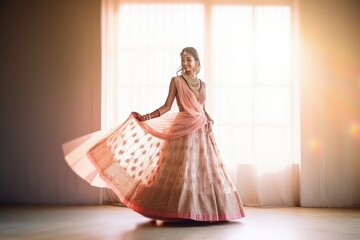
{"points": [[203, 84], [176, 79]]}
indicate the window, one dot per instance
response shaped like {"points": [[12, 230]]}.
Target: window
{"points": [[247, 58], [253, 85]]}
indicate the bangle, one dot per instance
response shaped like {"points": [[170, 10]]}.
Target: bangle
{"points": [[147, 117]]}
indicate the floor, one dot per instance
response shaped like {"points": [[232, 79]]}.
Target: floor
{"points": [[112, 222]]}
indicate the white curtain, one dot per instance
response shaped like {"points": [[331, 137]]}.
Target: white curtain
{"points": [[142, 44], [247, 59], [255, 101]]}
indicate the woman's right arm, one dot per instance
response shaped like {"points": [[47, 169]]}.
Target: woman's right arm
{"points": [[170, 98], [164, 108]]}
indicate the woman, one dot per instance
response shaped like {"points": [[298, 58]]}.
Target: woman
{"points": [[165, 166]]}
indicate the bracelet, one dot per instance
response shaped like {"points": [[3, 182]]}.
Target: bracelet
{"points": [[147, 117]]}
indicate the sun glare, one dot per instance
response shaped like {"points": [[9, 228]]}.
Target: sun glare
{"points": [[315, 146], [355, 130], [248, 72]]}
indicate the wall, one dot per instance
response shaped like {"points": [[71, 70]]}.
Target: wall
{"points": [[330, 98], [50, 93]]}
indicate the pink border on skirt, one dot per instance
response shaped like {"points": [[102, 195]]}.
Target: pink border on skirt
{"points": [[164, 215]]}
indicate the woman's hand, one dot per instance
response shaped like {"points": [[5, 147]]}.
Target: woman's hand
{"points": [[138, 116], [208, 125]]}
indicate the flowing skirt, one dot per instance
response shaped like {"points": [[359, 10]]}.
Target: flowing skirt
{"points": [[180, 178]]}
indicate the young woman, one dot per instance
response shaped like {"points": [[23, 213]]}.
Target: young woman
{"points": [[166, 166]]}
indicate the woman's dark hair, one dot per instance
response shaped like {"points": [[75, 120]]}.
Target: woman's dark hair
{"points": [[194, 53]]}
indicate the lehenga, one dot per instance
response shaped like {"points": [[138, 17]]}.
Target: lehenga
{"points": [[165, 168]]}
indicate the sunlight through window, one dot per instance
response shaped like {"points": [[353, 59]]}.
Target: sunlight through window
{"points": [[252, 83], [250, 80], [150, 38]]}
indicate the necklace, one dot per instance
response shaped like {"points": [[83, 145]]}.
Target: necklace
{"points": [[193, 82]]}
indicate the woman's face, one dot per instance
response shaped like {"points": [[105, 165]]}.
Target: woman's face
{"points": [[188, 63]]}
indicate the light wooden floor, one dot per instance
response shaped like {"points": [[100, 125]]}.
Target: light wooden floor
{"points": [[111, 222]]}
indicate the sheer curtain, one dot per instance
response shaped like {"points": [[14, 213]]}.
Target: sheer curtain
{"points": [[255, 101], [142, 45], [247, 60]]}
